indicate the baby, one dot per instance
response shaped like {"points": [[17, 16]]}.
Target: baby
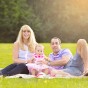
{"points": [[35, 67]]}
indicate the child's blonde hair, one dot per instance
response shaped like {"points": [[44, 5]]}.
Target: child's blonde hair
{"points": [[39, 45]]}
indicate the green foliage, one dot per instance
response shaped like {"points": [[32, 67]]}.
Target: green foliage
{"points": [[66, 19], [14, 14]]}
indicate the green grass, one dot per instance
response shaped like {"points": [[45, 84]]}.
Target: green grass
{"points": [[6, 59]]}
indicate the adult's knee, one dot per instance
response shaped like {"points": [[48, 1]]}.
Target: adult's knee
{"points": [[81, 42]]}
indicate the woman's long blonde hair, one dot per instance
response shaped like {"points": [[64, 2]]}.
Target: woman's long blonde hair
{"points": [[31, 40]]}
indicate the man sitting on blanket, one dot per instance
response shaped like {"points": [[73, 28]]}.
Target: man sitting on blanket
{"points": [[64, 63]]}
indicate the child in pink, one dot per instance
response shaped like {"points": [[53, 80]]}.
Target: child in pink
{"points": [[35, 67]]}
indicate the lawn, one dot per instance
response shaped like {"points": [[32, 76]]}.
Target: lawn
{"points": [[6, 59]]}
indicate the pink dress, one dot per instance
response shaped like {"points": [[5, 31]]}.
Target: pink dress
{"points": [[36, 65]]}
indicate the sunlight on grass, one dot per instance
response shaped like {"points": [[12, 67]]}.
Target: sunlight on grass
{"points": [[5, 54], [71, 46]]}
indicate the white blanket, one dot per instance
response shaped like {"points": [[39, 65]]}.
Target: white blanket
{"points": [[31, 76]]}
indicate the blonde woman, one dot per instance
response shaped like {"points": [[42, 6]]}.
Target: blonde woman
{"points": [[22, 51]]}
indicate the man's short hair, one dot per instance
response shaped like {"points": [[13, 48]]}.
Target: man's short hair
{"points": [[57, 38]]}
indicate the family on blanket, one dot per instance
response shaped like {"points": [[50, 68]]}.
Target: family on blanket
{"points": [[29, 58]]}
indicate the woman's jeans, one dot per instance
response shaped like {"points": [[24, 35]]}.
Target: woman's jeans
{"points": [[14, 69]]}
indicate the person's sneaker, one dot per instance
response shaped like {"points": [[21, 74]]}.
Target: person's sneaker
{"points": [[86, 74]]}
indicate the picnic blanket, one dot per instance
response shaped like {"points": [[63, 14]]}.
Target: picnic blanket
{"points": [[31, 76], [41, 75]]}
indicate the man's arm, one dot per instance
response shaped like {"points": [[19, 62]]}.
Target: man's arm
{"points": [[60, 62]]}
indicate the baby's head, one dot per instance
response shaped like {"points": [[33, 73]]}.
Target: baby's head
{"points": [[39, 49]]}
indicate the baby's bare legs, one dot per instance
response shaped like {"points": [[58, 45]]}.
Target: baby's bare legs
{"points": [[34, 72], [46, 71]]}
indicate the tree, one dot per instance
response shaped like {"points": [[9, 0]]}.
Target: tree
{"points": [[14, 14]]}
